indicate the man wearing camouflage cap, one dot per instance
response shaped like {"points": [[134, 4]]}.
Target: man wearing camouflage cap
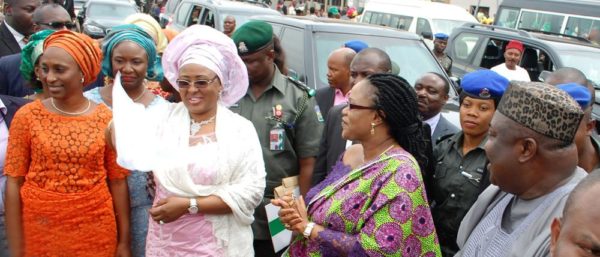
{"points": [[287, 120], [533, 168]]}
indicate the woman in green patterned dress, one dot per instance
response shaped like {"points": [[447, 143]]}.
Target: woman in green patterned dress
{"points": [[373, 203]]}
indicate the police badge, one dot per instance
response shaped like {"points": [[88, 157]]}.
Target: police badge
{"points": [[242, 48]]}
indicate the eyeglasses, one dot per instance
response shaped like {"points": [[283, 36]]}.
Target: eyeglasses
{"points": [[360, 107], [201, 83], [59, 24]]}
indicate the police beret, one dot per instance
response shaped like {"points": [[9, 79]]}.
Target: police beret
{"points": [[580, 93], [356, 45], [441, 36], [252, 37], [484, 84]]}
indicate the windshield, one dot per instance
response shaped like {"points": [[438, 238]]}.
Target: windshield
{"points": [[411, 57], [113, 11], [446, 26], [586, 61], [242, 17]]}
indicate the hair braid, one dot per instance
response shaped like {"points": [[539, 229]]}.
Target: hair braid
{"points": [[398, 101]]}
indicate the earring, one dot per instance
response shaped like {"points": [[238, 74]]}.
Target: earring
{"points": [[82, 80], [372, 128]]}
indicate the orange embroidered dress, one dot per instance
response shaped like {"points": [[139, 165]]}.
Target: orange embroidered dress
{"points": [[67, 206]]}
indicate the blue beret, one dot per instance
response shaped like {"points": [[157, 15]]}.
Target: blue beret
{"points": [[484, 84], [356, 45], [579, 92], [441, 36]]}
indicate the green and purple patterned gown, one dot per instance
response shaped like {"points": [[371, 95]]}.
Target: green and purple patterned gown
{"points": [[379, 209]]}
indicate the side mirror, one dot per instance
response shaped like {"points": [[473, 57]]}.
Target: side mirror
{"points": [[427, 35], [544, 75]]}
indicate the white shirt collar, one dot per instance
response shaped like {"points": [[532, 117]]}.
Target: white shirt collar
{"points": [[18, 36], [433, 121]]}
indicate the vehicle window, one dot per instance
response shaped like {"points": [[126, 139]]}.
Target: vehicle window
{"points": [[208, 18], [538, 21], [584, 60], [172, 5], [276, 29], [446, 26], [292, 42], [464, 46], [581, 27], [241, 16], [507, 17], [367, 17], [411, 56], [493, 54], [194, 16], [182, 14], [399, 22], [385, 19], [404, 22], [423, 26], [533, 62], [116, 11], [376, 18]]}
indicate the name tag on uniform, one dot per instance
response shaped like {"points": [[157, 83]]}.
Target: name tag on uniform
{"points": [[319, 114], [277, 139]]}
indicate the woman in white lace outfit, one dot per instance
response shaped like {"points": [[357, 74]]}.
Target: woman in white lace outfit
{"points": [[207, 161]]}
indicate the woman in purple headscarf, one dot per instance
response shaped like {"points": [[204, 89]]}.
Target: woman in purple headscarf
{"points": [[207, 161]]}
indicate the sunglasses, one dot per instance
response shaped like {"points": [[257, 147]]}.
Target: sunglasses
{"points": [[360, 107], [59, 24], [201, 83]]}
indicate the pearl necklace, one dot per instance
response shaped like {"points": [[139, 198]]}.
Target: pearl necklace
{"points": [[197, 126], [71, 113]]}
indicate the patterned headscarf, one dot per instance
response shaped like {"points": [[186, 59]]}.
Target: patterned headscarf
{"points": [[151, 26], [31, 52], [82, 48], [212, 49], [137, 35]]}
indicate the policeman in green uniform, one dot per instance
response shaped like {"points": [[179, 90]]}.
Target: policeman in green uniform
{"points": [[460, 173], [286, 118], [439, 47]]}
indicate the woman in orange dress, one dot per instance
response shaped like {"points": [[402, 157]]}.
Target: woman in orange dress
{"points": [[58, 201]]}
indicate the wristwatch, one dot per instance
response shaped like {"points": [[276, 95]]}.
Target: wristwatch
{"points": [[308, 230], [193, 209]]}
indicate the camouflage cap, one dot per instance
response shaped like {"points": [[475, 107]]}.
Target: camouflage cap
{"points": [[252, 37], [542, 108]]}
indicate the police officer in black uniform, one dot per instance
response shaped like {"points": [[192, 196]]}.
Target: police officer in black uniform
{"points": [[460, 173]]}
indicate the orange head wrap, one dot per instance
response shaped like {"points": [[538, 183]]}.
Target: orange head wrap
{"points": [[83, 49]]}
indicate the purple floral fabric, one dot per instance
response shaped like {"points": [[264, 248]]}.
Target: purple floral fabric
{"points": [[377, 210]]}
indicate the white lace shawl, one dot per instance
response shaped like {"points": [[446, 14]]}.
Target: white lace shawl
{"points": [[156, 139]]}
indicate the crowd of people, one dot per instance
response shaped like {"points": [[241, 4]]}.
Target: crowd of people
{"points": [[98, 161]]}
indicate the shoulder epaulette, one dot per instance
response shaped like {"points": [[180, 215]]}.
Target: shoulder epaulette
{"points": [[443, 138], [299, 84]]}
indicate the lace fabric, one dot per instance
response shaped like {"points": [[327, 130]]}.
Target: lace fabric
{"points": [[67, 207]]}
